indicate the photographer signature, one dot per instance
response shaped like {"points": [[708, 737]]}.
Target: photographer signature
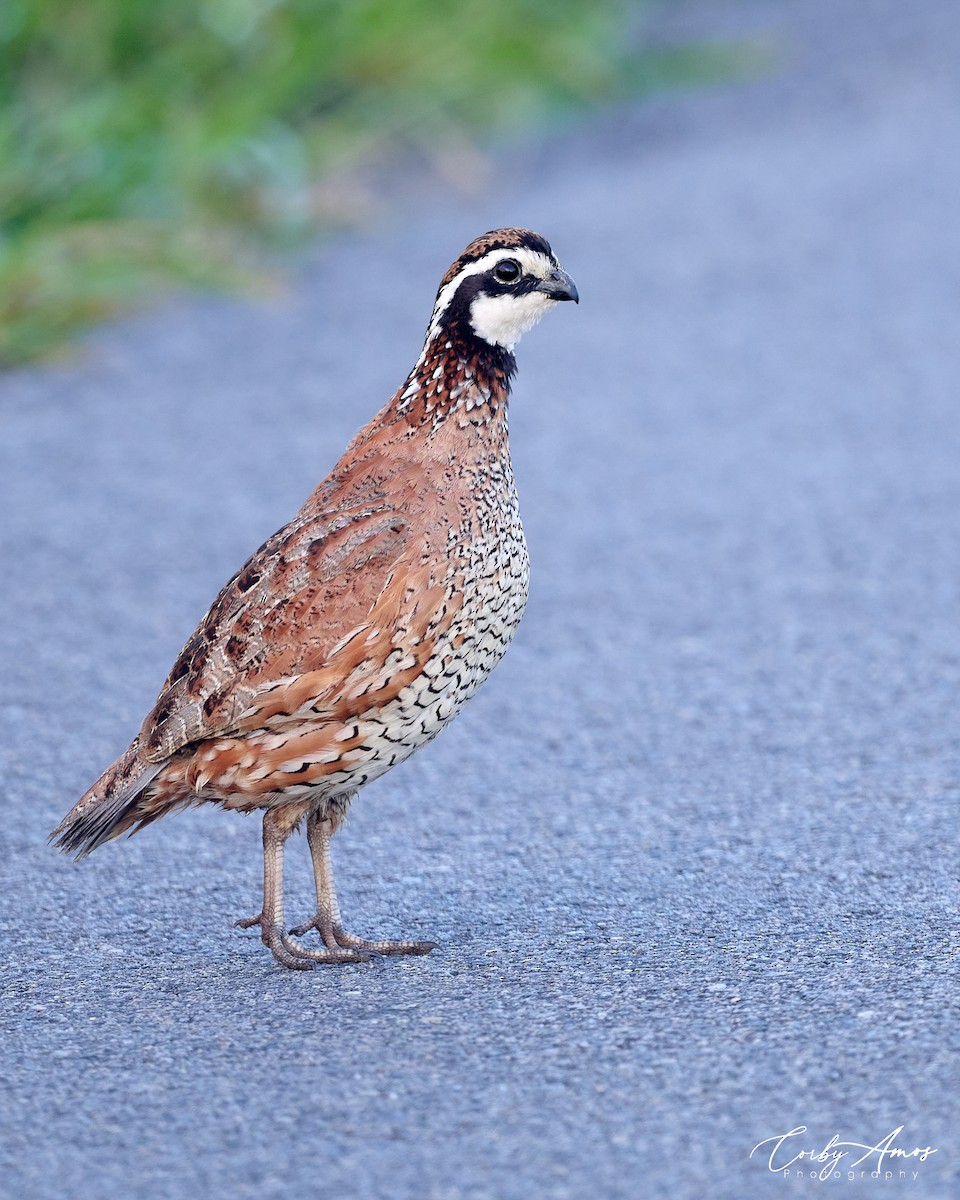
{"points": [[784, 1152]]}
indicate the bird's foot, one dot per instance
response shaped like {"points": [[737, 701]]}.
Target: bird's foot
{"points": [[335, 937], [299, 958]]}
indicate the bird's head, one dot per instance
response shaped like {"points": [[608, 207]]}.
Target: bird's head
{"points": [[500, 287]]}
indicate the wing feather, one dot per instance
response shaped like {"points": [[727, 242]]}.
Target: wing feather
{"points": [[302, 592]]}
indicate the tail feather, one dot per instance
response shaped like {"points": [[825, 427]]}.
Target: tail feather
{"points": [[109, 808]]}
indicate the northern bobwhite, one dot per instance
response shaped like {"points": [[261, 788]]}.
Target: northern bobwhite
{"points": [[359, 630]]}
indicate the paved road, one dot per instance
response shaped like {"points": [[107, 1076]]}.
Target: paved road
{"points": [[691, 856]]}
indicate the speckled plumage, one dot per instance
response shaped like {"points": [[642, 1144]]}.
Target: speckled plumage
{"points": [[355, 633]]}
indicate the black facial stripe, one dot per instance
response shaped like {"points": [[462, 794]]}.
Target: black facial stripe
{"points": [[458, 310], [493, 287], [455, 326]]}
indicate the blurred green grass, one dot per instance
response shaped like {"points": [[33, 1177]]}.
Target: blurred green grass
{"points": [[145, 143]]}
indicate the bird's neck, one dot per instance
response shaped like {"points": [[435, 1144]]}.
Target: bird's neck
{"points": [[457, 376]]}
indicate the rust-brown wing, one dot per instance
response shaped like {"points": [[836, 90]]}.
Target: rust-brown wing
{"points": [[301, 593]]}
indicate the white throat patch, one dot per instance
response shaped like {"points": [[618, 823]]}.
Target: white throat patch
{"points": [[503, 320]]}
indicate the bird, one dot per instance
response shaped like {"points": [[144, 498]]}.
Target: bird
{"points": [[360, 629]]}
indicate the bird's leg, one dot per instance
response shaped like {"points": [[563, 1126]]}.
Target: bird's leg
{"points": [[326, 921], [277, 826]]}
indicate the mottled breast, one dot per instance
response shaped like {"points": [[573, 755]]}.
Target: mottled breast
{"points": [[486, 591]]}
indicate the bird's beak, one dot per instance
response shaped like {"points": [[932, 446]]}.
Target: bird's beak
{"points": [[559, 286]]}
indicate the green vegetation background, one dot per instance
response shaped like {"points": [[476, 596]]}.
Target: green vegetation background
{"points": [[150, 142]]}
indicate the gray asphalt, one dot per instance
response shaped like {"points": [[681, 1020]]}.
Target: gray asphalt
{"points": [[691, 855]]}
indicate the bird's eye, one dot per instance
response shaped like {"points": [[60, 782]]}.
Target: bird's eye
{"points": [[507, 271]]}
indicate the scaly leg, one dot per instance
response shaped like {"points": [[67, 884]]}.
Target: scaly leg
{"points": [[277, 826], [326, 920]]}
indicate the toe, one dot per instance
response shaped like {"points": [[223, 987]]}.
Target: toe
{"points": [[287, 955], [384, 945], [330, 954], [300, 930]]}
